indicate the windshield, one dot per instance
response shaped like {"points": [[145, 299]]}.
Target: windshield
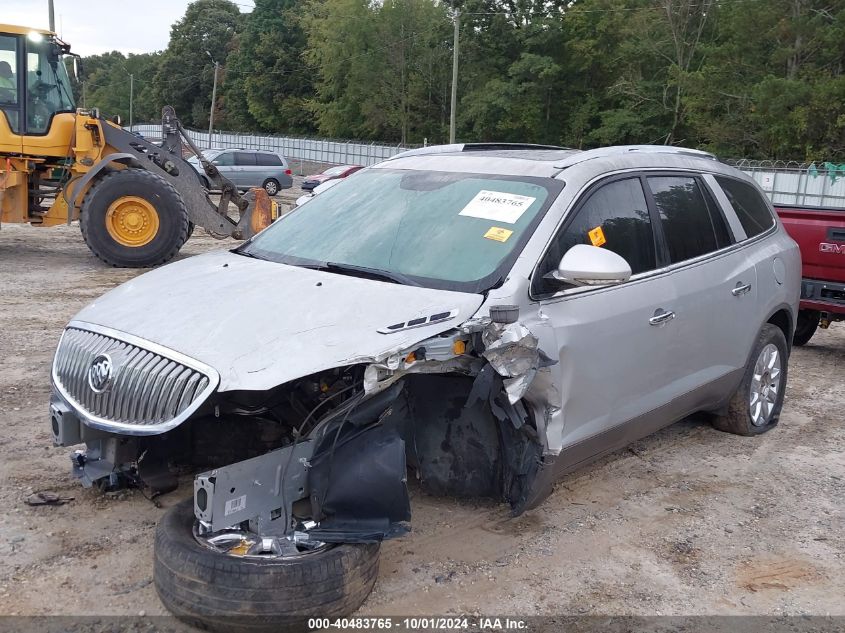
{"points": [[335, 171], [208, 154], [442, 230]]}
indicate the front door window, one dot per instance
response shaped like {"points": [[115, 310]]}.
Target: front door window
{"points": [[47, 84], [9, 97]]}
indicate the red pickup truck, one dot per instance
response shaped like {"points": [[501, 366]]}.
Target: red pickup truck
{"points": [[820, 233]]}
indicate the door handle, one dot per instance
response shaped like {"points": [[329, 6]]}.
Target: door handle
{"points": [[740, 289], [661, 316]]}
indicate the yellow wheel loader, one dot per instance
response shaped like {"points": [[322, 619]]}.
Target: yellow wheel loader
{"points": [[137, 202]]}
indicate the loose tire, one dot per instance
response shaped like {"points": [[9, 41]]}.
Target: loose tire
{"points": [[133, 218], [808, 321], [755, 407], [271, 186], [229, 593]]}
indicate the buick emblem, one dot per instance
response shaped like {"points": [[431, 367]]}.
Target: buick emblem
{"points": [[100, 373]]}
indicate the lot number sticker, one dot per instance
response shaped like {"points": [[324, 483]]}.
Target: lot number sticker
{"points": [[235, 505], [597, 236], [498, 233], [497, 206]]}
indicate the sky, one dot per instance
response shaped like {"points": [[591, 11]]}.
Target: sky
{"points": [[98, 26]]}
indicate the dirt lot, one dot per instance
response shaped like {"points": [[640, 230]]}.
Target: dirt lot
{"points": [[689, 521]]}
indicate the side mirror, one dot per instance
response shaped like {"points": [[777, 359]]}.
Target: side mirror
{"points": [[78, 69], [584, 265]]}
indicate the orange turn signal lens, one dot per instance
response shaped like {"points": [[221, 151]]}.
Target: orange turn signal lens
{"points": [[459, 347]]}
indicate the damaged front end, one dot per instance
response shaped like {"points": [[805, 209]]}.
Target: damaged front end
{"points": [[323, 458]]}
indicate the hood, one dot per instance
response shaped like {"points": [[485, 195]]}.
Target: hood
{"points": [[317, 178], [261, 324]]}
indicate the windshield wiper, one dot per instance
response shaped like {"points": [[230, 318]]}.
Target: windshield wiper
{"points": [[365, 271], [245, 253]]}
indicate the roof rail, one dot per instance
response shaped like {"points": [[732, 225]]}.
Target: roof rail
{"points": [[617, 150], [481, 147], [472, 147]]}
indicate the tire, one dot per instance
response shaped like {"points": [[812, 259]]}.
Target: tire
{"points": [[271, 186], [808, 321], [226, 593], [740, 416], [150, 189]]}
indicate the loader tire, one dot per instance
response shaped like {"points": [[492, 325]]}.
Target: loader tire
{"points": [[221, 592], [133, 218]]}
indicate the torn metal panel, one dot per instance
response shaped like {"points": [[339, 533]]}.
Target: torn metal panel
{"points": [[513, 351]]}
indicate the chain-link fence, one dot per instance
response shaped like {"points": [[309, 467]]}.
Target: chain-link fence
{"points": [[785, 182], [800, 184], [298, 151]]}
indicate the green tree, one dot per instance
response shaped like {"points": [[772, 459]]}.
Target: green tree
{"points": [[107, 85], [186, 69], [267, 85], [381, 69]]}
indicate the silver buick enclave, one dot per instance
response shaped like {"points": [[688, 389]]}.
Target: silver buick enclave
{"points": [[487, 317]]}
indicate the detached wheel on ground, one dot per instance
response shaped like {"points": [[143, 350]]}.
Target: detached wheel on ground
{"points": [[808, 321], [133, 218], [239, 591], [755, 407], [271, 186]]}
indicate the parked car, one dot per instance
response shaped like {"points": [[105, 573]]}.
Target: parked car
{"points": [[820, 233], [490, 320], [316, 190], [341, 171], [248, 168]]}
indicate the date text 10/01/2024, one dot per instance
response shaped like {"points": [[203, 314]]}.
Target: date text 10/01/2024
{"points": [[419, 623]]}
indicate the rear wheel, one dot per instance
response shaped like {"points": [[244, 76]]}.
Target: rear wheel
{"points": [[241, 582], [808, 321], [132, 218], [755, 406], [271, 186]]}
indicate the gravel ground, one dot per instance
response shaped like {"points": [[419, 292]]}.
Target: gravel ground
{"points": [[688, 521]]}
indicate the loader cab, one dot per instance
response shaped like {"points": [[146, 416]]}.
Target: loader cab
{"points": [[34, 82]]}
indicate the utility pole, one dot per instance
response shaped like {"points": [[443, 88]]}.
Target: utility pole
{"points": [[131, 98], [52, 15], [457, 19], [213, 99]]}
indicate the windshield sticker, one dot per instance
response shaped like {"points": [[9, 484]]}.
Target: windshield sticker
{"points": [[497, 206], [597, 236], [497, 233]]}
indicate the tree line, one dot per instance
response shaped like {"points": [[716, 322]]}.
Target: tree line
{"points": [[742, 78]]}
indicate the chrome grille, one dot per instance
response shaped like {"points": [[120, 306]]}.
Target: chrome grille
{"points": [[148, 391]]}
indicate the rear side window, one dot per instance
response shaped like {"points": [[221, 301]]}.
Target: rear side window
{"points": [[244, 158], [692, 224], [749, 205], [619, 209], [268, 160]]}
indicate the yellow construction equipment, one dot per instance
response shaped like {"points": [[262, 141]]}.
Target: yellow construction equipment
{"points": [[137, 202]]}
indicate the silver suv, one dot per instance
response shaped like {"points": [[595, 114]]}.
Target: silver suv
{"points": [[487, 317], [248, 168]]}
